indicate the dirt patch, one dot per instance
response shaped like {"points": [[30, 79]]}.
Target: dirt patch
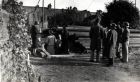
{"points": [[133, 66], [70, 70]]}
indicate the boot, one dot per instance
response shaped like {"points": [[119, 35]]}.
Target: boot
{"points": [[92, 57], [97, 57], [110, 62]]}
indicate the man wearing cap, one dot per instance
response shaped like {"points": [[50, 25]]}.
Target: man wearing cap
{"points": [[111, 42], [125, 41]]}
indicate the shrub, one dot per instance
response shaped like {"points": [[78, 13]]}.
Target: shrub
{"points": [[120, 11]]}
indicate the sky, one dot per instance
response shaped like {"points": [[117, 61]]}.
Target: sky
{"points": [[91, 5]]}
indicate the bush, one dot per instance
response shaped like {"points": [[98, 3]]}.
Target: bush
{"points": [[120, 11], [19, 42]]}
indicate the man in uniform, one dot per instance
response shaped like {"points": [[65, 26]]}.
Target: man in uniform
{"points": [[95, 36]]}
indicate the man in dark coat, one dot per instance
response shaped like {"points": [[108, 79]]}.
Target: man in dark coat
{"points": [[37, 33], [64, 45], [111, 42], [104, 42], [95, 36], [34, 33], [119, 40]]}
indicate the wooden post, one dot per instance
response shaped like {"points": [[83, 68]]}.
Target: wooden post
{"points": [[54, 4], [135, 3], [54, 14], [54, 7], [42, 13]]}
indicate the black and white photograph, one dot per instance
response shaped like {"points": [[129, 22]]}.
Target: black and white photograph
{"points": [[69, 40]]}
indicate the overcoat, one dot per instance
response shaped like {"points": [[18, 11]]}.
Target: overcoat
{"points": [[111, 42], [96, 37]]}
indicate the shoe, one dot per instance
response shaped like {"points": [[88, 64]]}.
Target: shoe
{"points": [[122, 60], [110, 63]]}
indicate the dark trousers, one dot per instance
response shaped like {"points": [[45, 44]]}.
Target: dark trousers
{"points": [[93, 55], [118, 51]]}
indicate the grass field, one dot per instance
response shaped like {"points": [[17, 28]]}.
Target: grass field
{"points": [[83, 33]]}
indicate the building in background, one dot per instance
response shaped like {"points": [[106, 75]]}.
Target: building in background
{"points": [[36, 14]]}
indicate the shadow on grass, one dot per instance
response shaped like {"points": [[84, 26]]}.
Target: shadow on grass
{"points": [[62, 61]]}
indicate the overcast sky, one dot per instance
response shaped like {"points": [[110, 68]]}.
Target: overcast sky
{"points": [[91, 5]]}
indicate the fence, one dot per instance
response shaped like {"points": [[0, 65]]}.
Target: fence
{"points": [[83, 33]]}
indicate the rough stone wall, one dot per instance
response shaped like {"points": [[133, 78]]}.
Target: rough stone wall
{"points": [[14, 53]]}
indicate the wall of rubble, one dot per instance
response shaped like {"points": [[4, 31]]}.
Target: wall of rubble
{"points": [[14, 43]]}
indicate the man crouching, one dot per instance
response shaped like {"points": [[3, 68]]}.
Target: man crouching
{"points": [[40, 49]]}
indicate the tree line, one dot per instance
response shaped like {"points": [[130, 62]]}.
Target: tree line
{"points": [[117, 12]]}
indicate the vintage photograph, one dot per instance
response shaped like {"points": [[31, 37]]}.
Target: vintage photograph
{"points": [[69, 40]]}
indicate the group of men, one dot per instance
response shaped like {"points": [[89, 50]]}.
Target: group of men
{"points": [[50, 42], [110, 40]]}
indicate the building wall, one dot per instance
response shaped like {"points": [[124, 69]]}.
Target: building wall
{"points": [[36, 16]]}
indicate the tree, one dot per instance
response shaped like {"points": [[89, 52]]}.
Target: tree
{"points": [[67, 17], [13, 7], [120, 11]]}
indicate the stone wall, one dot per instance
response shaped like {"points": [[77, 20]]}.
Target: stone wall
{"points": [[14, 54]]}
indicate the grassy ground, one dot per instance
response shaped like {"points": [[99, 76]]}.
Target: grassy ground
{"points": [[133, 66], [78, 69]]}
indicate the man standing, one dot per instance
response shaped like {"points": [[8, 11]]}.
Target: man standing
{"points": [[34, 31], [111, 42], [119, 40], [95, 36], [64, 45], [104, 42], [125, 41]]}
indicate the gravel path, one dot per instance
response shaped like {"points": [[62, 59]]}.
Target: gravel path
{"points": [[78, 69]]}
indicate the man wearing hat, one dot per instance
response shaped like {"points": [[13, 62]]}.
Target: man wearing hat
{"points": [[111, 42], [125, 41]]}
